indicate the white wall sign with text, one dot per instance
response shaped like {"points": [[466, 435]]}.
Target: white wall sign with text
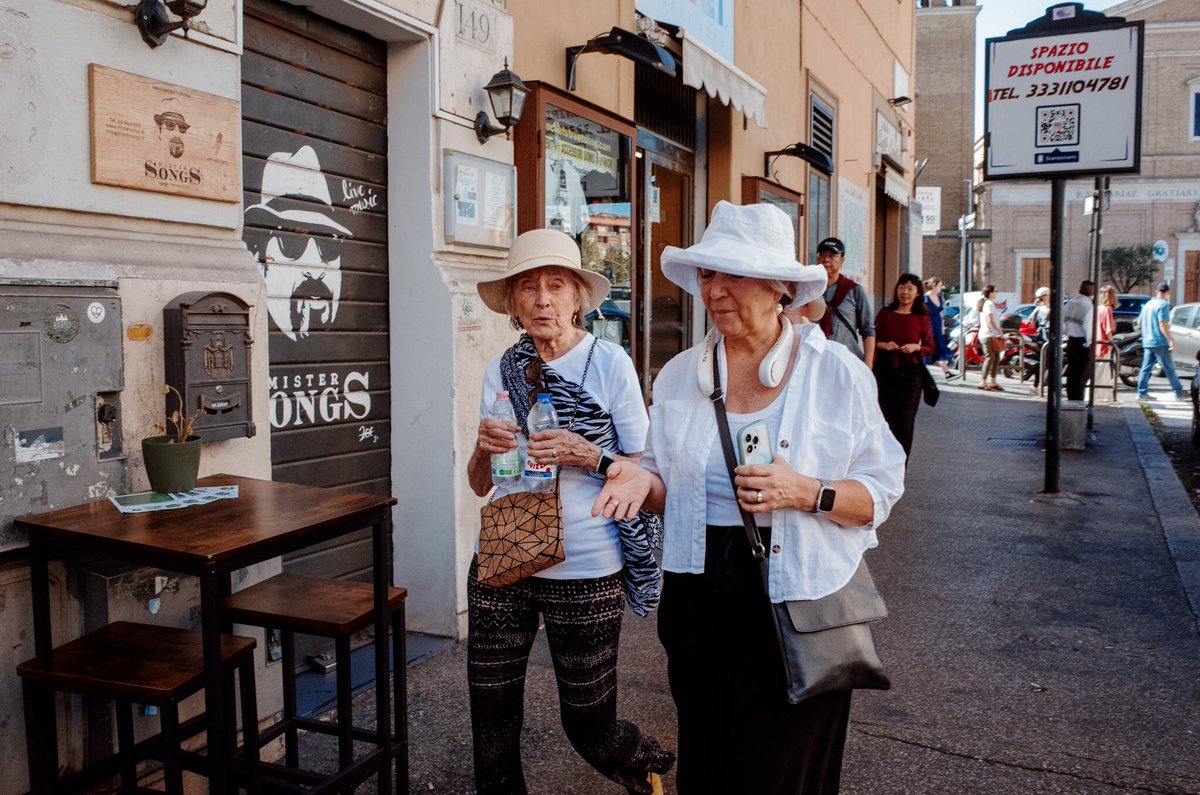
{"points": [[1064, 103], [931, 209]]}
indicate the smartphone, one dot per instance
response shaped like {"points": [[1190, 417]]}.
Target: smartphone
{"points": [[754, 444]]}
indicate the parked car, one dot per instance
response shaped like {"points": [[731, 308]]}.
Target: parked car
{"points": [[1185, 331], [610, 323], [1129, 306], [1195, 390]]}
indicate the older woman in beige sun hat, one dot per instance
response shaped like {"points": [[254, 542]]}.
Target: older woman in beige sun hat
{"points": [[835, 471], [547, 294]]}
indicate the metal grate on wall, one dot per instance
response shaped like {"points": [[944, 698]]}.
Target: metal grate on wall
{"points": [[664, 106]]}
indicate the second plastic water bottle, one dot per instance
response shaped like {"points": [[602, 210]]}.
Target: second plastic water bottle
{"points": [[506, 467], [539, 477]]}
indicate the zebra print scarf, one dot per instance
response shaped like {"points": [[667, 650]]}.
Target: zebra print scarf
{"points": [[639, 536]]}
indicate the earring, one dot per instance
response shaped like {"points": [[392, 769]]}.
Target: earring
{"points": [[779, 309]]}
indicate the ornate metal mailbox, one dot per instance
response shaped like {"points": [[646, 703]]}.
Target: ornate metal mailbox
{"points": [[208, 360]]}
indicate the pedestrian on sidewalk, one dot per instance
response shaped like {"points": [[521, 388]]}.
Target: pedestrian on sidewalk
{"points": [[933, 307], [1077, 325], [836, 471], [1157, 343], [991, 338], [546, 292], [848, 309], [902, 341], [1106, 325]]}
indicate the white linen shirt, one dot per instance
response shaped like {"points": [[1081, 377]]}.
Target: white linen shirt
{"points": [[831, 429]]}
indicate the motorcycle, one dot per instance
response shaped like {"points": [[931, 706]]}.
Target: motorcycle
{"points": [[1023, 356], [974, 352], [1129, 360]]}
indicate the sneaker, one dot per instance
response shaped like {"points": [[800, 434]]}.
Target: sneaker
{"points": [[1144, 396], [1182, 396]]}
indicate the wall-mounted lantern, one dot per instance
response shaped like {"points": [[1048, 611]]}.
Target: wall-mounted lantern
{"points": [[155, 24], [507, 95]]}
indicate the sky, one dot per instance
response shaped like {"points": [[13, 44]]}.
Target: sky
{"points": [[998, 17]]}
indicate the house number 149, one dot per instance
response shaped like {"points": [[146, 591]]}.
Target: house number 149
{"points": [[475, 25]]}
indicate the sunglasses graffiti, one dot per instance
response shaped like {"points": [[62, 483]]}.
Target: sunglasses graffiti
{"points": [[298, 244]]}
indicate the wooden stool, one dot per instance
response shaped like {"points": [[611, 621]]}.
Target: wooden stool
{"points": [[335, 609], [134, 663]]}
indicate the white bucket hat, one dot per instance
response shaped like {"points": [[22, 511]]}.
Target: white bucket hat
{"points": [[541, 248], [752, 240]]}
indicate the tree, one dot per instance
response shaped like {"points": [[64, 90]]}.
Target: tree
{"points": [[1128, 267]]}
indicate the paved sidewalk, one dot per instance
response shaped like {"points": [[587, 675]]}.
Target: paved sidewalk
{"points": [[1037, 643]]}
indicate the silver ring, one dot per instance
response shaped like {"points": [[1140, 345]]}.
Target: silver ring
{"points": [[759, 497], [554, 453], [614, 501]]}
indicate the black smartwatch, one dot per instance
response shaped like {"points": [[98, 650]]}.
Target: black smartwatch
{"points": [[606, 460], [825, 498]]}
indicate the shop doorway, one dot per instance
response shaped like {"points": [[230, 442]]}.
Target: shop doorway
{"points": [[314, 136], [665, 309]]}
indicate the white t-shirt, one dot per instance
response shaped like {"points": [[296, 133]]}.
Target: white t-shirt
{"points": [[989, 329], [722, 504], [591, 543]]}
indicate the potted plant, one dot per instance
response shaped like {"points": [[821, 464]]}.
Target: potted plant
{"points": [[172, 458]]}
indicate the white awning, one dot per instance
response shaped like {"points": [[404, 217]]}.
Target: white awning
{"points": [[895, 186], [703, 68]]}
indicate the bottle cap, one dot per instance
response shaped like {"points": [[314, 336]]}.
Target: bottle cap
{"points": [[543, 395]]}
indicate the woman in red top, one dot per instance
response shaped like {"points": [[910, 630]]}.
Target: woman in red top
{"points": [[903, 338]]}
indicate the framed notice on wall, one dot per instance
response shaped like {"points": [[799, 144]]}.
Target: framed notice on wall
{"points": [[480, 200], [756, 190], [156, 136]]}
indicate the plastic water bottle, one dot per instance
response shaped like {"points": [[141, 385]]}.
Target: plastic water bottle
{"points": [[542, 417], [506, 467]]}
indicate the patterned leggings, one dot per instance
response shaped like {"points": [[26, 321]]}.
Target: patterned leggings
{"points": [[583, 625]]}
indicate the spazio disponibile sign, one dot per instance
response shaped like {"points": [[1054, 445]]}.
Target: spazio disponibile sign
{"points": [[1063, 97]]}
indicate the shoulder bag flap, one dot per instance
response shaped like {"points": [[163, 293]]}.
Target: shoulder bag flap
{"points": [[857, 601]]}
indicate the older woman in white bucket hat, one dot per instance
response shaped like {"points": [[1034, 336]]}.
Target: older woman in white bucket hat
{"points": [[547, 293], [834, 475]]}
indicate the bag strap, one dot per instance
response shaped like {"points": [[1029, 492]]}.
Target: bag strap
{"points": [[853, 331], [718, 399]]}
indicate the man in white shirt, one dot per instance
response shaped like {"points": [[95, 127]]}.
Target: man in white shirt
{"points": [[1077, 325]]}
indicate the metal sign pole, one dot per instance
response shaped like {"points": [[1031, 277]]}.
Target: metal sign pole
{"points": [[962, 299], [1058, 203]]}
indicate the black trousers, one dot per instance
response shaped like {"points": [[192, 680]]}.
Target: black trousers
{"points": [[1077, 367], [738, 735], [899, 399]]}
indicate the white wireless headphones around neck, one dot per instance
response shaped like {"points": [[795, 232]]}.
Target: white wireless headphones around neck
{"points": [[770, 370]]}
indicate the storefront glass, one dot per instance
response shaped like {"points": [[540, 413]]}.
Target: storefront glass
{"points": [[589, 197]]}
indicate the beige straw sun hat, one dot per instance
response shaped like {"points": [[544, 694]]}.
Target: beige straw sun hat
{"points": [[540, 248]]}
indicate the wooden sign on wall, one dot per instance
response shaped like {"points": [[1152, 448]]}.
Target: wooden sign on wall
{"points": [[156, 136]]}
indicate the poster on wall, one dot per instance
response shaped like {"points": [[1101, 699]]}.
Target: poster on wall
{"points": [[156, 136], [481, 200], [930, 199], [852, 227]]}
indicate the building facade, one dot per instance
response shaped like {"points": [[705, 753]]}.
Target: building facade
{"points": [[1161, 203], [319, 165], [945, 79]]}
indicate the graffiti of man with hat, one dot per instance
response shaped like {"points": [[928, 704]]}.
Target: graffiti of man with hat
{"points": [[301, 260]]}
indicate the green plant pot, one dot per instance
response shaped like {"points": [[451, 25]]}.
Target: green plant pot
{"points": [[171, 466]]}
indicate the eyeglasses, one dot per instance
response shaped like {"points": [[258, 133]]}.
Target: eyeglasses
{"points": [[533, 377], [169, 124], [294, 246]]}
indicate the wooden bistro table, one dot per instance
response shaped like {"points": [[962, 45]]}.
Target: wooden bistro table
{"points": [[210, 542]]}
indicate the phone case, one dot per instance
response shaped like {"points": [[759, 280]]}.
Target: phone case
{"points": [[754, 444]]}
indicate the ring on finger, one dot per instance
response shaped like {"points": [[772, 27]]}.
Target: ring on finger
{"points": [[759, 497]]}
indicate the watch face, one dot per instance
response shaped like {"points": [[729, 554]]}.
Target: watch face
{"points": [[605, 460], [825, 500]]}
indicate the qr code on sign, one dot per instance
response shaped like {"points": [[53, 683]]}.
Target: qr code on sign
{"points": [[1058, 125]]}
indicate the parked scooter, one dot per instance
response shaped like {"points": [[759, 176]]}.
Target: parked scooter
{"points": [[974, 352], [1021, 359], [1129, 362]]}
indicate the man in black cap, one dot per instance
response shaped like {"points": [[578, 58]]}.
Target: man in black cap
{"points": [[848, 318]]}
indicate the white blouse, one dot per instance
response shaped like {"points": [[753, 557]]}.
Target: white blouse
{"points": [[831, 428]]}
